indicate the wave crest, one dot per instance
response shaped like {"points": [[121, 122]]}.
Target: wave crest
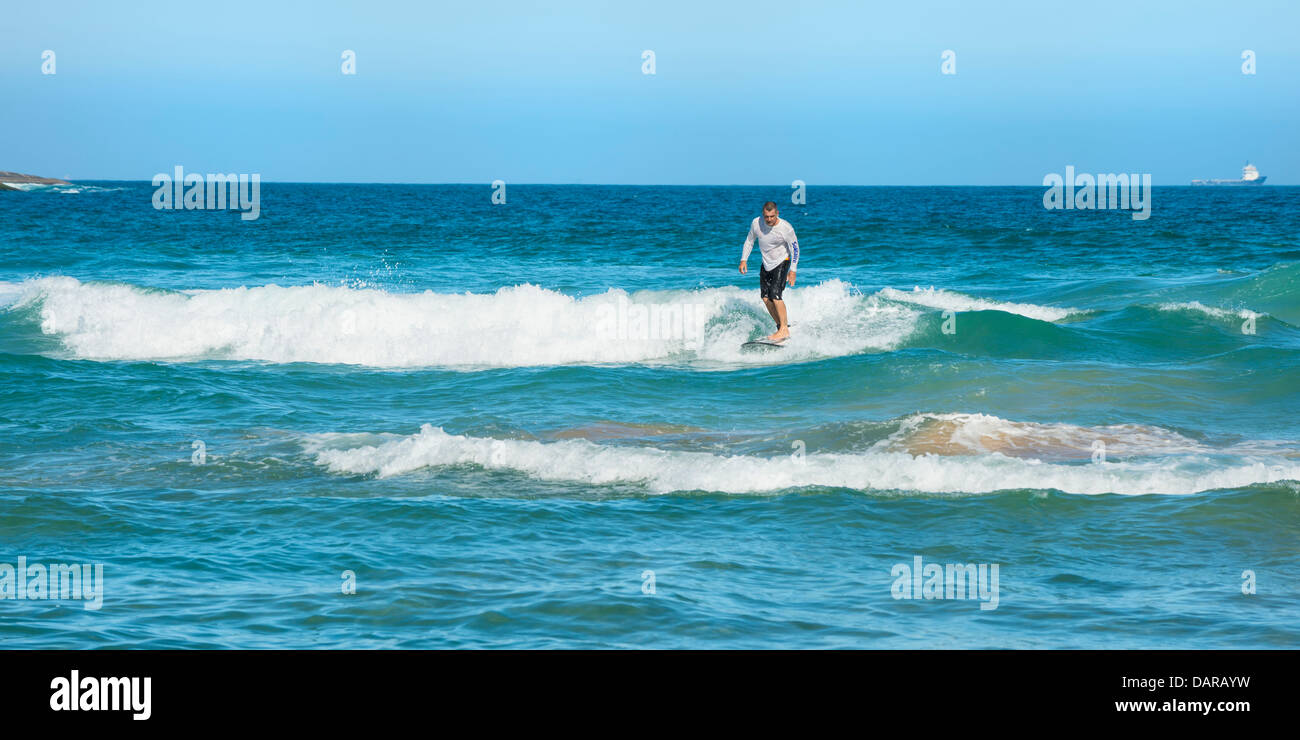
{"points": [[523, 325], [877, 469]]}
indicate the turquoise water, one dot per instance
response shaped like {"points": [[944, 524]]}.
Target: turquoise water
{"points": [[531, 424]]}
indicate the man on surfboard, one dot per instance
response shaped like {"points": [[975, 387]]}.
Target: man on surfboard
{"points": [[780, 249]]}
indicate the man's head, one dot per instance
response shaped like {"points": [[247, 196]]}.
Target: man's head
{"points": [[770, 214]]}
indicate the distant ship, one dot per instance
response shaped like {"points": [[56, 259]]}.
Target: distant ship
{"points": [[1249, 176]]}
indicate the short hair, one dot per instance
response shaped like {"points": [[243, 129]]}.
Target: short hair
{"points": [[769, 206]]}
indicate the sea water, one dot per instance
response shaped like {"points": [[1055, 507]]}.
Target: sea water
{"points": [[408, 416]]}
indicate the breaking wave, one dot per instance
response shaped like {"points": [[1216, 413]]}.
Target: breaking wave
{"points": [[937, 453]]}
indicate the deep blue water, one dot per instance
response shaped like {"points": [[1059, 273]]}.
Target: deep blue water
{"points": [[509, 421]]}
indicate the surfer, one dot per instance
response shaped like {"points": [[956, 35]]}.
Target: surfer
{"points": [[780, 250]]}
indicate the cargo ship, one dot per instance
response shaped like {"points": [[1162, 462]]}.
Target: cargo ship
{"points": [[1249, 176]]}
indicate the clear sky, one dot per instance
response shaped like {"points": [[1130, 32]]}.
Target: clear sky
{"points": [[745, 92]]}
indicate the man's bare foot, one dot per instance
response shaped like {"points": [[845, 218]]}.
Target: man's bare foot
{"points": [[779, 336]]}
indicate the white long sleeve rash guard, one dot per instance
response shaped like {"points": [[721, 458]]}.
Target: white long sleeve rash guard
{"points": [[776, 243]]}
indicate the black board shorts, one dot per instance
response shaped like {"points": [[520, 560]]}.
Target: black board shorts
{"points": [[772, 282]]}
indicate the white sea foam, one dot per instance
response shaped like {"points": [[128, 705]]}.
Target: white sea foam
{"points": [[1211, 311], [663, 471], [516, 326], [57, 188], [950, 301], [10, 293], [522, 325]]}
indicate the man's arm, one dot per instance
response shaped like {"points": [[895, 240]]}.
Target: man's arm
{"points": [[749, 247], [794, 255]]}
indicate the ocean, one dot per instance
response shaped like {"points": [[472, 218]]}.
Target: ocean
{"points": [[407, 416]]}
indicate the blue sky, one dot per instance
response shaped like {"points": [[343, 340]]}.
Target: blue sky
{"points": [[744, 92]]}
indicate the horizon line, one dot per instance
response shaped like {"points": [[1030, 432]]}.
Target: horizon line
{"points": [[651, 185]]}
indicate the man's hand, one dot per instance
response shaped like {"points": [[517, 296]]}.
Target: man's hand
{"points": [[789, 279], [744, 267]]}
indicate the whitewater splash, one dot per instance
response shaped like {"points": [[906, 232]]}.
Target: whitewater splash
{"points": [[946, 300], [1155, 465], [1211, 311], [70, 188], [518, 326]]}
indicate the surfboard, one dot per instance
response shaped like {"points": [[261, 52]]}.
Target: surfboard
{"points": [[760, 343]]}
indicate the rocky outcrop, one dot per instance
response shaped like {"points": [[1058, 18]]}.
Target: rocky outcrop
{"points": [[8, 179]]}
